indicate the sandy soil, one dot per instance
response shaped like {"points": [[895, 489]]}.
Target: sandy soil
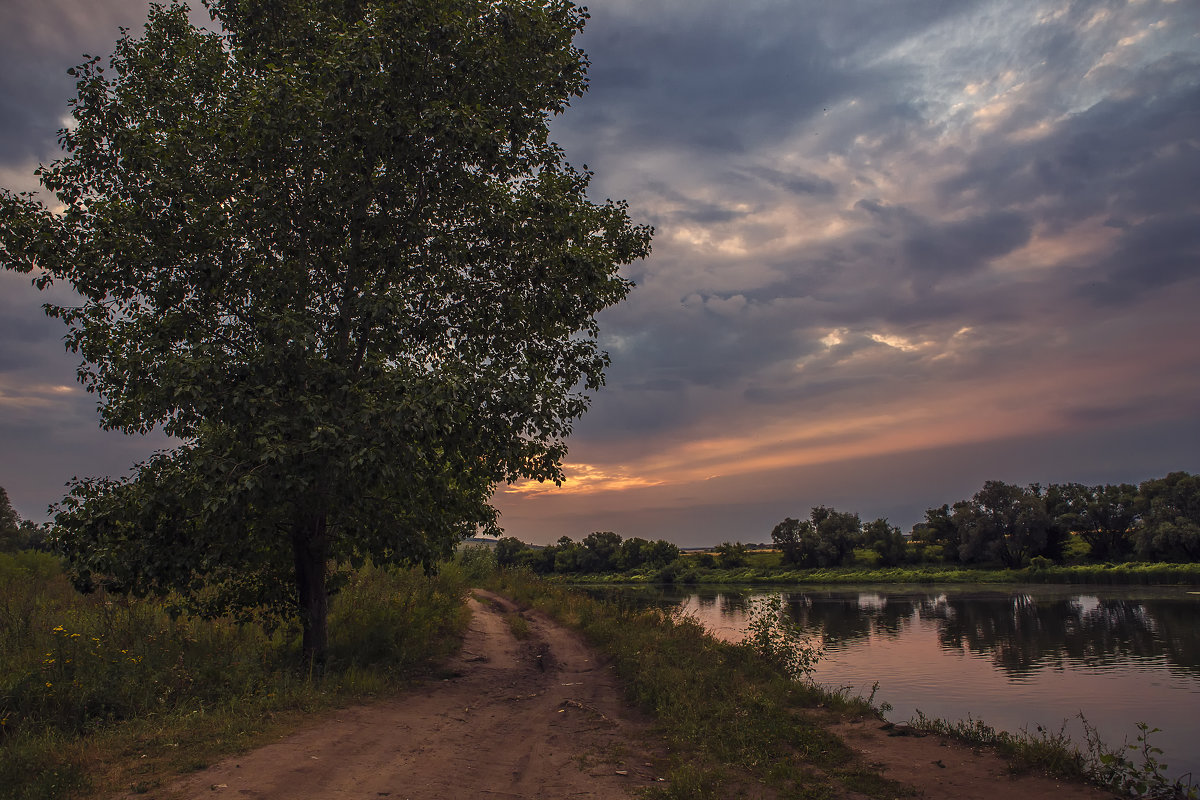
{"points": [[942, 769], [541, 718]]}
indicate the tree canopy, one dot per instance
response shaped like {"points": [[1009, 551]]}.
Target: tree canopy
{"points": [[329, 247], [826, 539]]}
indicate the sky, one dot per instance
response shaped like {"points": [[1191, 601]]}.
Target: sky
{"points": [[901, 248]]}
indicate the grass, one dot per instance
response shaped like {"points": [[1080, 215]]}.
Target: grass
{"points": [[100, 692], [733, 716], [1133, 770], [765, 568], [736, 717], [518, 626]]}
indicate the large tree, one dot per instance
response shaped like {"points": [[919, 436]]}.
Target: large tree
{"points": [[1006, 523], [330, 248], [826, 539], [1105, 516]]}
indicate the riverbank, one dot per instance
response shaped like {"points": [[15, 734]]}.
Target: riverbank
{"points": [[735, 715], [689, 572]]}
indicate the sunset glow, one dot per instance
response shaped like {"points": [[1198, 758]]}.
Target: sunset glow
{"points": [[900, 249]]}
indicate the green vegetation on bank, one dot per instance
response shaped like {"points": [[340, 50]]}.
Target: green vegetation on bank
{"points": [[92, 686], [102, 693], [688, 570], [1134, 770], [742, 715], [18, 534], [733, 716]]}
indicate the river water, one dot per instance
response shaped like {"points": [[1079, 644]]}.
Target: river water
{"points": [[1014, 657]]}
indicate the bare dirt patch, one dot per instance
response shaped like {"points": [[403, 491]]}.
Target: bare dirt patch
{"points": [[538, 717], [944, 769]]}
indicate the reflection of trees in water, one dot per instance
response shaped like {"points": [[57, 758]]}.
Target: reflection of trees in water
{"points": [[841, 618], [1022, 633], [1177, 625], [734, 604]]}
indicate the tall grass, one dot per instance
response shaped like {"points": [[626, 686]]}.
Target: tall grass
{"points": [[85, 679]]}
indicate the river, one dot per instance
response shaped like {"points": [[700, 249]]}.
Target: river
{"points": [[1015, 657]]}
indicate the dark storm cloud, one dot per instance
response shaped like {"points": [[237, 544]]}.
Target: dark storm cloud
{"points": [[1156, 253], [688, 208], [25, 331], [863, 209], [718, 82], [1126, 156], [923, 266], [960, 247], [801, 184], [719, 78]]}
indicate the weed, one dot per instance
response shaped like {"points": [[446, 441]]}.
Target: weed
{"points": [[1142, 776], [1115, 769], [770, 636], [518, 625]]}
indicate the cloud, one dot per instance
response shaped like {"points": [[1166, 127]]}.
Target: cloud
{"points": [[893, 240], [41, 41]]}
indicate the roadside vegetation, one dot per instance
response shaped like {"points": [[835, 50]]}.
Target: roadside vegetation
{"points": [[733, 716], [1064, 533], [92, 686], [747, 714]]}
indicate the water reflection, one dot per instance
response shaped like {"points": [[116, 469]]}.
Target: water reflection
{"points": [[1021, 631], [1014, 656]]}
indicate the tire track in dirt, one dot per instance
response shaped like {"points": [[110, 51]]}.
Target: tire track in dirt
{"points": [[538, 718]]}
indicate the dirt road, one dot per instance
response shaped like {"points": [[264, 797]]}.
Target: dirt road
{"points": [[538, 717], [532, 718]]}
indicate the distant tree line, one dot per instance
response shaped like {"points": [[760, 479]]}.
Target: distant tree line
{"points": [[1013, 525], [830, 538], [602, 551], [16, 533]]}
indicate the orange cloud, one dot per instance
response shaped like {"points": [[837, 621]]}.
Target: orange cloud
{"points": [[583, 479]]}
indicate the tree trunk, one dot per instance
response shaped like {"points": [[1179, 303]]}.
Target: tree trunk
{"points": [[310, 548]]}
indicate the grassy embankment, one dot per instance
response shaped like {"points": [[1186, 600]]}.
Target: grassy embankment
{"points": [[766, 567], [91, 687], [732, 716]]}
